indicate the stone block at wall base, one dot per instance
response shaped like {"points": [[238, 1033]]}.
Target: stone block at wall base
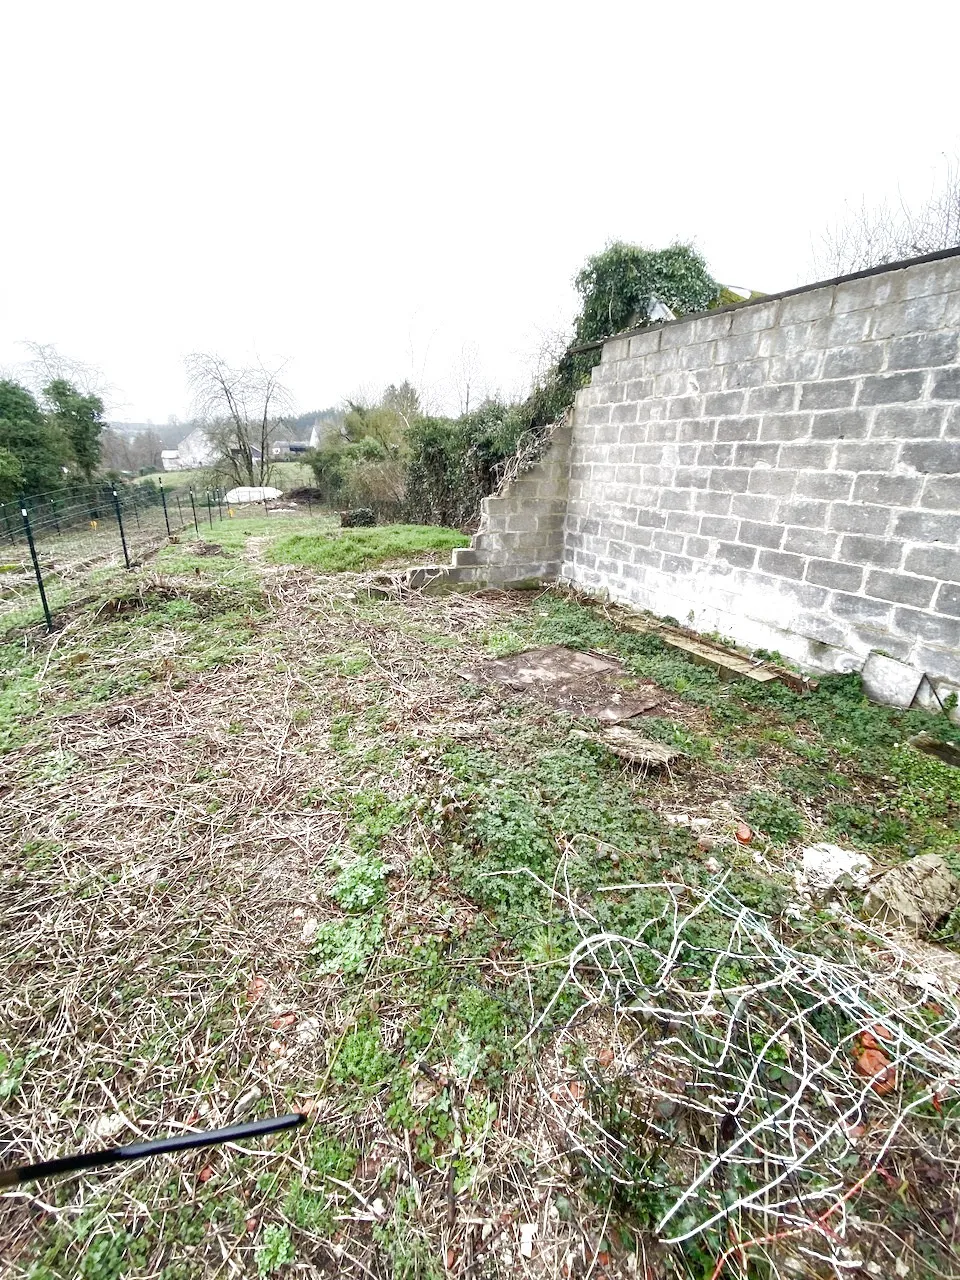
{"points": [[887, 681]]}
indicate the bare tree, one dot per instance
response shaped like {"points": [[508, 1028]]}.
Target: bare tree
{"points": [[870, 236], [46, 364], [239, 408], [130, 450], [468, 380]]}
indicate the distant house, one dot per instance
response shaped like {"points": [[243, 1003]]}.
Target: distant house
{"points": [[196, 450], [289, 448], [170, 460], [324, 432]]}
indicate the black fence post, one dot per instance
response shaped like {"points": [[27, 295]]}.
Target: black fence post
{"points": [[123, 540], [220, 501], [36, 567], [163, 499], [209, 510], [56, 518], [196, 522], [180, 510]]}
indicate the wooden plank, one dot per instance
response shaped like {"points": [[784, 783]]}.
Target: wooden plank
{"points": [[728, 663]]}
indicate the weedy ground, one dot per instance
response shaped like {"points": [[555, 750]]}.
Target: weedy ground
{"points": [[264, 848]]}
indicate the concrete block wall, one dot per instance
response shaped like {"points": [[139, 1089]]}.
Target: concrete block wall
{"points": [[786, 472], [521, 532]]}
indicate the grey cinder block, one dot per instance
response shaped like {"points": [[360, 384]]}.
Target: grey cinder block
{"points": [[934, 628], [840, 424], [948, 599], [742, 557], [935, 562], [941, 492], [772, 398], [908, 421], [759, 534], [882, 553], [833, 486], [922, 351], [804, 511], [810, 542], [946, 385], [853, 517], [932, 457], [830, 573], [782, 565], [718, 527], [927, 526], [848, 362], [887, 490], [901, 588], [839, 394], [891, 388]]}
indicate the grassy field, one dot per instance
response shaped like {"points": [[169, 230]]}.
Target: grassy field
{"points": [[353, 550], [270, 844], [283, 475]]}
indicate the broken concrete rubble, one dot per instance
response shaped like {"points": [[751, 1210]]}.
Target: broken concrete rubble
{"points": [[826, 868], [917, 896]]}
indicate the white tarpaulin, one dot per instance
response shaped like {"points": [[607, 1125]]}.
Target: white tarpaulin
{"points": [[252, 493]]}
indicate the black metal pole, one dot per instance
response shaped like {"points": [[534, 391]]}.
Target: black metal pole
{"points": [[180, 510], [56, 518], [163, 499], [136, 508], [220, 501], [123, 540], [196, 523], [138, 1150], [209, 509], [36, 567]]}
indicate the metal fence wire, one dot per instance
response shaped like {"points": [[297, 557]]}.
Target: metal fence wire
{"points": [[50, 540]]}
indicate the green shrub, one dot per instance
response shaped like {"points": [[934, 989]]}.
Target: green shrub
{"points": [[454, 463], [358, 518]]}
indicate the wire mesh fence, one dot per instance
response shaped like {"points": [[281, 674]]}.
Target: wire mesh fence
{"points": [[49, 541]]}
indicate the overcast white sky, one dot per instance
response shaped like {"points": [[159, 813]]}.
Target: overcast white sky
{"points": [[366, 188]]}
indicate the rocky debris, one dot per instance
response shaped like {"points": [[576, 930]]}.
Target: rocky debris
{"points": [[825, 868], [931, 746], [917, 895]]}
